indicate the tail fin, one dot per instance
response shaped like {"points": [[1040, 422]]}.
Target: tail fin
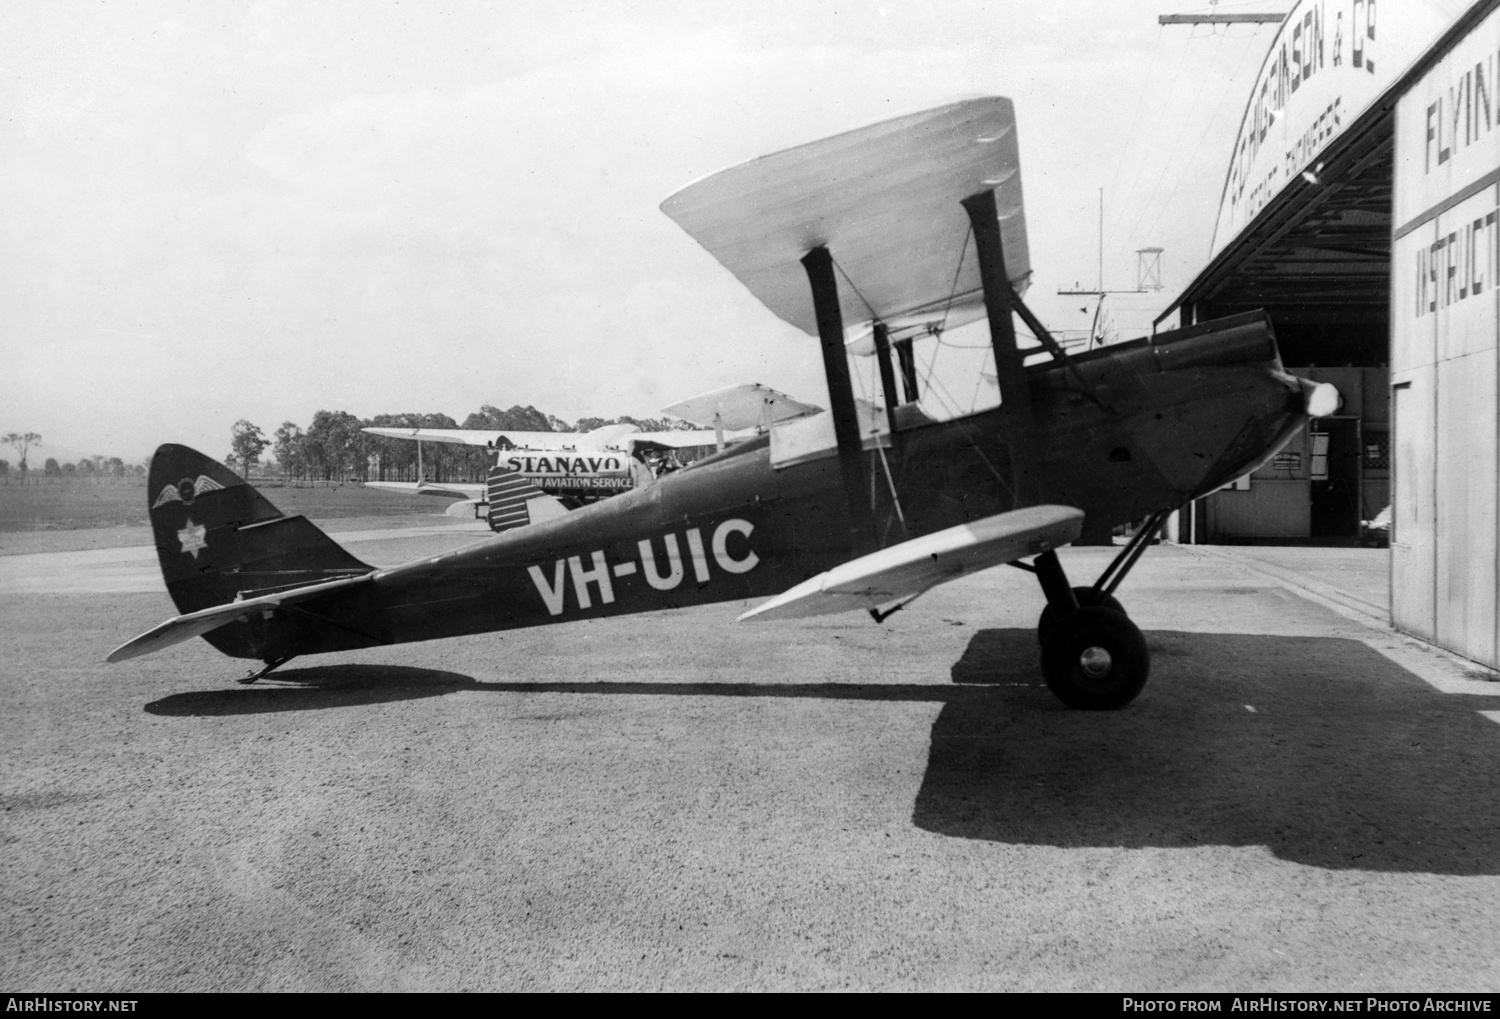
{"points": [[515, 501], [219, 540]]}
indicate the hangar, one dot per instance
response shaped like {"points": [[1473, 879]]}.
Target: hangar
{"points": [[1360, 210]]}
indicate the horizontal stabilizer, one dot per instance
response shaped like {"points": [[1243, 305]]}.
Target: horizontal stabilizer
{"points": [[195, 624], [906, 570], [885, 201]]}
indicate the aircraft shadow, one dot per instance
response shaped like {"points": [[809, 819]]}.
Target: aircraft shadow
{"points": [[1321, 749], [322, 686]]}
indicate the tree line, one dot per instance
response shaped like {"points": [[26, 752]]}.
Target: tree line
{"points": [[333, 448], [96, 466]]}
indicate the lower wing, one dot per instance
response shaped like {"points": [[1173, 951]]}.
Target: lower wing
{"points": [[443, 490], [904, 571]]}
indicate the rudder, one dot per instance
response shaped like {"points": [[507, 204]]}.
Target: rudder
{"points": [[515, 501], [218, 539]]}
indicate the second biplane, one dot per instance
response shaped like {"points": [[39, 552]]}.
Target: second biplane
{"points": [[921, 218], [539, 475]]}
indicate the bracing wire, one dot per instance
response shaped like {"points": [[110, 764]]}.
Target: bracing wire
{"points": [[1145, 206], [1021, 334], [979, 380], [1151, 138], [958, 269], [868, 306], [939, 391], [1139, 98], [1198, 148], [935, 385]]}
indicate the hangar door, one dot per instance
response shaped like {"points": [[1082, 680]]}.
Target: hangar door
{"points": [[1305, 232], [1445, 272]]}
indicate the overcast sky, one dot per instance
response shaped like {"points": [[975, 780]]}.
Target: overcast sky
{"points": [[216, 211]]}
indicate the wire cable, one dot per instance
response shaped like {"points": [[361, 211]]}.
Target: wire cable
{"points": [[1188, 118], [957, 271], [1151, 138], [1198, 148], [979, 380], [1139, 98], [874, 317]]}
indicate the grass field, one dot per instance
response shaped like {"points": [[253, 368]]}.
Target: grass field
{"points": [[50, 504]]}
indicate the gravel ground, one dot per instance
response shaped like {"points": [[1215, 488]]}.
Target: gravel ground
{"points": [[1298, 801]]}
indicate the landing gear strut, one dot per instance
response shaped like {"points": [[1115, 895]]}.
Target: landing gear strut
{"points": [[1093, 656], [1086, 597]]}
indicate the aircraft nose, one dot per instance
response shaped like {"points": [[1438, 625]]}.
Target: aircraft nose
{"points": [[1320, 398]]}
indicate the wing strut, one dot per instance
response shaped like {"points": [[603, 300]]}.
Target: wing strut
{"points": [[1015, 392], [1010, 370], [887, 377], [908, 370], [825, 293]]}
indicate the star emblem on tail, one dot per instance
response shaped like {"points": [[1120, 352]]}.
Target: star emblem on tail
{"points": [[193, 538]]}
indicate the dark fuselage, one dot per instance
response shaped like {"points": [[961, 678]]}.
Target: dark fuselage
{"points": [[1124, 432]]}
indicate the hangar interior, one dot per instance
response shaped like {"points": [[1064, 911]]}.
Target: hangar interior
{"points": [[1317, 260], [1379, 264]]}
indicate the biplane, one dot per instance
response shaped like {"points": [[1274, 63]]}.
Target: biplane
{"points": [[888, 230], [539, 475]]}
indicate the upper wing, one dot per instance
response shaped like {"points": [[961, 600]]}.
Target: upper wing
{"points": [[749, 405], [908, 569], [676, 439], [194, 624], [486, 437], [461, 436], [603, 437], [616, 436], [885, 201]]}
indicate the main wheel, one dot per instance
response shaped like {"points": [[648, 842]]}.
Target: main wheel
{"points": [[1086, 596], [1095, 659]]}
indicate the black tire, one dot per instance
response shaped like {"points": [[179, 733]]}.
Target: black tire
{"points": [[1086, 596], [1095, 659]]}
